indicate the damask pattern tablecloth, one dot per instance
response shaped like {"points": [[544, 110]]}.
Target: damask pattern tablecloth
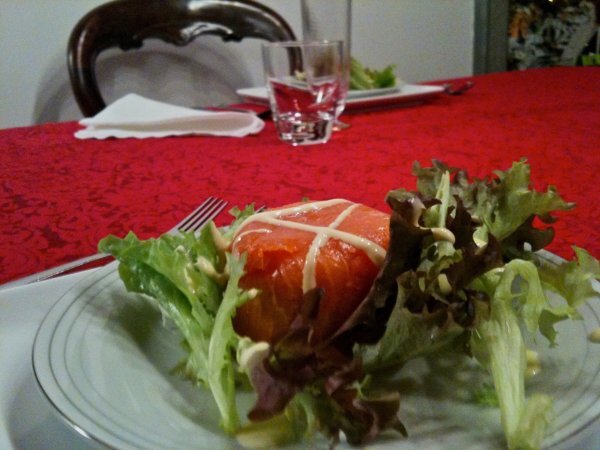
{"points": [[60, 195]]}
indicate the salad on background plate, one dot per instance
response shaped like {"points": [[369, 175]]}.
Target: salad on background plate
{"points": [[366, 79], [319, 307]]}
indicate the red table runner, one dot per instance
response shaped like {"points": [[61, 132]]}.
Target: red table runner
{"points": [[60, 195]]}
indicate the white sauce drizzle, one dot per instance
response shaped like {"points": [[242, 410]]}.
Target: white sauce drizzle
{"points": [[534, 365], [479, 242], [251, 356], [444, 283], [443, 234], [221, 243], [205, 266], [309, 273], [438, 233], [239, 237], [375, 252]]}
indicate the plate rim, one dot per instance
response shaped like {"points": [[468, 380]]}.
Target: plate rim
{"points": [[407, 93], [37, 354]]}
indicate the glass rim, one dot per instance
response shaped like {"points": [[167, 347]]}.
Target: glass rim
{"points": [[304, 43]]}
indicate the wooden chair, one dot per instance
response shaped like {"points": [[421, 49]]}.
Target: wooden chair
{"points": [[128, 23]]}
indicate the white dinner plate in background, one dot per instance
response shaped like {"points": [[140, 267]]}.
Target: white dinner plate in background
{"points": [[362, 93], [357, 100]]}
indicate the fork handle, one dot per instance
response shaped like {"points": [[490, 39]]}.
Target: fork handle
{"points": [[54, 271]]}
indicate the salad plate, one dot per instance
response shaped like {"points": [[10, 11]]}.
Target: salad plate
{"points": [[362, 93], [107, 364], [403, 95]]}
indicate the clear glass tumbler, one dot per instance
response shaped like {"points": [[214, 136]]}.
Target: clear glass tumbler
{"points": [[329, 20], [305, 81]]}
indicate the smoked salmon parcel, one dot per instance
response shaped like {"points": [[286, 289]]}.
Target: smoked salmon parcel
{"points": [[334, 246]]}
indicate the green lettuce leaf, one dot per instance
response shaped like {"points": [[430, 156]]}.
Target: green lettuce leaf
{"points": [[364, 78], [506, 205], [164, 269], [480, 291], [433, 303], [222, 347], [572, 280], [170, 271], [517, 297]]}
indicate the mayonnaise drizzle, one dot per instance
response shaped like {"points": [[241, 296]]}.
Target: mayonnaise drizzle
{"points": [[239, 237], [534, 365], [375, 252], [205, 266], [221, 243], [438, 233], [309, 276]]}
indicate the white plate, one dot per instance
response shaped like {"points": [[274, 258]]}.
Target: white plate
{"points": [[27, 420], [407, 94], [104, 360], [372, 93]]}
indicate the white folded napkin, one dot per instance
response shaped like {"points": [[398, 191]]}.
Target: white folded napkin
{"points": [[139, 117]]}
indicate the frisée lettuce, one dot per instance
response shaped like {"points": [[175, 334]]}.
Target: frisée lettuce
{"points": [[167, 271], [478, 290]]}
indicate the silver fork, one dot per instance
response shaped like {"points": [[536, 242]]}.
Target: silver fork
{"points": [[450, 89], [208, 210]]}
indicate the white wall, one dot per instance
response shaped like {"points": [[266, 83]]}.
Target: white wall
{"points": [[425, 39]]}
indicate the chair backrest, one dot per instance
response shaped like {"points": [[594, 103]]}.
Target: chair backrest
{"points": [[127, 23]]}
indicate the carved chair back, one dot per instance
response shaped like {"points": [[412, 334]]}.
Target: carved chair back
{"points": [[128, 23]]}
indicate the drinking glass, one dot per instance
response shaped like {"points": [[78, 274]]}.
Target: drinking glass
{"points": [[330, 20], [305, 81]]}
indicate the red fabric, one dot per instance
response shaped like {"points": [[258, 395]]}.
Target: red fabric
{"points": [[60, 195]]}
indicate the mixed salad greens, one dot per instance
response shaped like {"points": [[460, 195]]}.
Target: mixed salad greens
{"points": [[364, 78], [461, 274]]}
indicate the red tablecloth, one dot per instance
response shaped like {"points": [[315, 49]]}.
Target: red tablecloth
{"points": [[60, 195]]}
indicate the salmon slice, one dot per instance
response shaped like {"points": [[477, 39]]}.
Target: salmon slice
{"points": [[333, 245]]}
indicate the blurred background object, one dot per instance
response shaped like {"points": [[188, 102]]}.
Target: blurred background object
{"points": [[546, 33], [128, 24], [425, 40], [330, 20]]}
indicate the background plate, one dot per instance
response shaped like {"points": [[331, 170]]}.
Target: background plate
{"points": [[407, 94]]}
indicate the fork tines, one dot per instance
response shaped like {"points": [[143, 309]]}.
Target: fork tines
{"points": [[207, 211]]}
